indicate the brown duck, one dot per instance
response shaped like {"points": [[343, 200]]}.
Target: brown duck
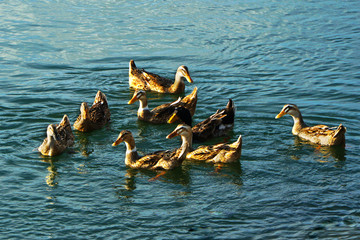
{"points": [[216, 125], [319, 134], [59, 137], [141, 79], [95, 117], [219, 153], [160, 160], [162, 113]]}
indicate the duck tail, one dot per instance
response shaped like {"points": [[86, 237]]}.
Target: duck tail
{"points": [[230, 112], [65, 121], [340, 131], [194, 93], [132, 65], [230, 105], [238, 142]]}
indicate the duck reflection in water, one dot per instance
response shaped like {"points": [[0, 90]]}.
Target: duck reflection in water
{"points": [[323, 153], [131, 180], [84, 143], [53, 173]]}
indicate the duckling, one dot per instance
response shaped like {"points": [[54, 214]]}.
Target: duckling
{"points": [[319, 134], [95, 117], [59, 137], [162, 113], [219, 153], [216, 125], [160, 160], [141, 79]]}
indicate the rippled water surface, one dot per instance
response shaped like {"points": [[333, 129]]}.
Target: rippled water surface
{"points": [[262, 54]]}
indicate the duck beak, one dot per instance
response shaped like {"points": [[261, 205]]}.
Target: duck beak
{"points": [[173, 118], [117, 142], [188, 78], [172, 134], [282, 113], [133, 99]]}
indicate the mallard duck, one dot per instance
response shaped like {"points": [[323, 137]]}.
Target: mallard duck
{"points": [[59, 137], [161, 160], [319, 134], [95, 117], [216, 125], [162, 113], [219, 153], [141, 79]]}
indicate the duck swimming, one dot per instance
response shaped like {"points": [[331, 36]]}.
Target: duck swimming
{"points": [[319, 134], [216, 125], [95, 117], [160, 160], [218, 153], [59, 137], [141, 79], [162, 113]]}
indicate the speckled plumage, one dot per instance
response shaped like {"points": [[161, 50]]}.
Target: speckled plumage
{"points": [[162, 113], [59, 137], [216, 125], [141, 79], [95, 117], [160, 160], [319, 134], [219, 153]]}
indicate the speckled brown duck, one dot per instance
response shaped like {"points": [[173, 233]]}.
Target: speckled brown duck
{"points": [[218, 153], [160, 160], [59, 137], [141, 79], [162, 113], [217, 125], [319, 134], [95, 117]]}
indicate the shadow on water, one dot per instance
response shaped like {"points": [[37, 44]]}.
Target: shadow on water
{"points": [[178, 175], [50, 178], [323, 154], [83, 143]]}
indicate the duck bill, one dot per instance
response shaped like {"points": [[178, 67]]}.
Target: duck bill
{"points": [[173, 118], [188, 78], [117, 142], [282, 113], [172, 134], [133, 99]]}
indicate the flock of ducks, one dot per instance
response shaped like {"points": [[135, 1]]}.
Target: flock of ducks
{"points": [[60, 136]]}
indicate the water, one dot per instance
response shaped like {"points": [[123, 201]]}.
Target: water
{"points": [[263, 54]]}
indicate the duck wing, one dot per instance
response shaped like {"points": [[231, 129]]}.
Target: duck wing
{"points": [[156, 82], [99, 114], [152, 160]]}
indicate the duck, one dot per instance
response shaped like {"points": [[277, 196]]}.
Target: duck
{"points": [[162, 113], [95, 117], [218, 153], [319, 134], [217, 125], [59, 137], [141, 79], [160, 160]]}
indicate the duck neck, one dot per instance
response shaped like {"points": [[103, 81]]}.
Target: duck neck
{"points": [[143, 108], [51, 143], [298, 123], [186, 146], [131, 153], [178, 86]]}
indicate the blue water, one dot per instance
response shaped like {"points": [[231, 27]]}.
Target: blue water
{"points": [[262, 54]]}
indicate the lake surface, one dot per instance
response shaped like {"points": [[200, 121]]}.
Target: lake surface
{"points": [[262, 54]]}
